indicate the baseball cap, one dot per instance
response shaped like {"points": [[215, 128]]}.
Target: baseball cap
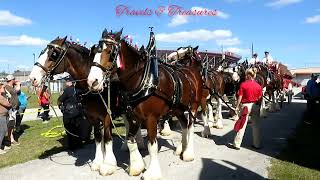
{"points": [[10, 77]]}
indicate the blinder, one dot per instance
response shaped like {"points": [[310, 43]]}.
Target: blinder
{"points": [[113, 55], [56, 54]]}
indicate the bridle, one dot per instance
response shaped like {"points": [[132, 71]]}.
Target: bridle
{"points": [[113, 55], [57, 55]]}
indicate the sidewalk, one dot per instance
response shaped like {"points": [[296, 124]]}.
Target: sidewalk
{"points": [[31, 114], [213, 160]]}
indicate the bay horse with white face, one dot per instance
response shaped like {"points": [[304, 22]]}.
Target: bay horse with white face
{"points": [[151, 91], [61, 56], [213, 82]]}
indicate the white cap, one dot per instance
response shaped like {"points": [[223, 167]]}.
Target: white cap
{"points": [[10, 77]]}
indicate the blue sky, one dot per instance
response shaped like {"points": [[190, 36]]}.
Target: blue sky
{"points": [[288, 29]]}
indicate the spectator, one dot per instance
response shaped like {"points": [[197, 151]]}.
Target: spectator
{"points": [[23, 101], [4, 108], [12, 88], [77, 127], [44, 102], [249, 96], [313, 92]]}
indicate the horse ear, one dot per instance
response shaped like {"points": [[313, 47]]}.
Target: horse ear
{"points": [[196, 48], [64, 39], [118, 35], [104, 32], [142, 48]]}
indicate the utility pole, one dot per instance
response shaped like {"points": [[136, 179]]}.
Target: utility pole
{"points": [[34, 58], [251, 49]]}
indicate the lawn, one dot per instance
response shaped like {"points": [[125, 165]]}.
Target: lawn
{"points": [[301, 158], [34, 146], [33, 100]]}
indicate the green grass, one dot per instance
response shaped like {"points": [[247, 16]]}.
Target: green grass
{"points": [[289, 170], [34, 146], [33, 100], [301, 157]]}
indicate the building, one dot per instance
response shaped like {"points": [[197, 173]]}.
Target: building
{"points": [[302, 75]]}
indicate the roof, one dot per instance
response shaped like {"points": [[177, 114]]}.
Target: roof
{"points": [[21, 73], [305, 70], [229, 56]]}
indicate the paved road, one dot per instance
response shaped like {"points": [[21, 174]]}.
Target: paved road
{"points": [[31, 114], [213, 159]]}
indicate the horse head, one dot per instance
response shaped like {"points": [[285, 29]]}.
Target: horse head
{"points": [[61, 56], [105, 59], [238, 72], [184, 55], [49, 61]]}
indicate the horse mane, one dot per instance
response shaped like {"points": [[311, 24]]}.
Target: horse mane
{"points": [[130, 46], [79, 48]]}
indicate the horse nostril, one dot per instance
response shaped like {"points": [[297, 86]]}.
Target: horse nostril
{"points": [[95, 83]]}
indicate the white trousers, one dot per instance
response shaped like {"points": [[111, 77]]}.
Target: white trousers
{"points": [[254, 116]]}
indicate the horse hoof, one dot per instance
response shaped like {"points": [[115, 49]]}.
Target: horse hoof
{"points": [[148, 177], [210, 124], [178, 150], [95, 166], [187, 156], [136, 170], [165, 132], [106, 169]]}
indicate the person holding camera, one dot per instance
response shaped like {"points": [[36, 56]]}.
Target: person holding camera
{"points": [[76, 126], [4, 109]]}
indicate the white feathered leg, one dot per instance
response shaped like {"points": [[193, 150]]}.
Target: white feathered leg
{"points": [[109, 165], [136, 162], [153, 172], [166, 131]]}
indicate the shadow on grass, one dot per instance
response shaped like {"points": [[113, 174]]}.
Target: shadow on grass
{"points": [[302, 148], [55, 149], [17, 135]]}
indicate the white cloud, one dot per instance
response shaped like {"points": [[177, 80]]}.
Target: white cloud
{"points": [[220, 14], [7, 61], [282, 3], [8, 19], [228, 41], [183, 19], [178, 20], [240, 51], [22, 40], [313, 19], [199, 35]]}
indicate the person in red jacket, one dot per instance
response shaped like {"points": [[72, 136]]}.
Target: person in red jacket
{"points": [[44, 102], [249, 97]]}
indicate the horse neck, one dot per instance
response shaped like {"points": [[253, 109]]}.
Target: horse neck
{"points": [[79, 67], [131, 65]]}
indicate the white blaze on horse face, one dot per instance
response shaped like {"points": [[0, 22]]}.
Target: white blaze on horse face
{"points": [[172, 56], [37, 72], [235, 76], [96, 73]]}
